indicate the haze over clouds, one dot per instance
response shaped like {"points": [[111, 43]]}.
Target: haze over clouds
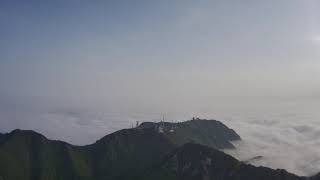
{"points": [[285, 133], [76, 71]]}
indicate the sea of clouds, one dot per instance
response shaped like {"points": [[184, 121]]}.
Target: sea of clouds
{"points": [[286, 133]]}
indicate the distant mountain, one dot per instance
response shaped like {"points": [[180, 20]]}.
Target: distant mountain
{"points": [[124, 154], [207, 132], [155, 151]]}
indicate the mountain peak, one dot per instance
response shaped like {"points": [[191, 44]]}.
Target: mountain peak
{"points": [[21, 135], [189, 152], [28, 133], [207, 132]]}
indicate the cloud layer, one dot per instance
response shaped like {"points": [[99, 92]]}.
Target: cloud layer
{"points": [[284, 132], [286, 137]]}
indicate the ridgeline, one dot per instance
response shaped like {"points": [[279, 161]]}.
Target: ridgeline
{"points": [[155, 151]]}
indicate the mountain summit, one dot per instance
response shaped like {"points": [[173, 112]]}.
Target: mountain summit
{"points": [[211, 133], [125, 154], [158, 151]]}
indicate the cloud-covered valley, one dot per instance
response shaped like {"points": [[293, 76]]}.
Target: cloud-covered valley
{"points": [[285, 133]]}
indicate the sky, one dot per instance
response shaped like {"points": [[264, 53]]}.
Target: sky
{"points": [[77, 70], [147, 51]]}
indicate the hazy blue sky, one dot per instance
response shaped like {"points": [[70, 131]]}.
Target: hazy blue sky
{"points": [[150, 53], [78, 70]]}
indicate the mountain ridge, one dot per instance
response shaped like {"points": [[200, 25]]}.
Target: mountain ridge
{"points": [[28, 155], [141, 153], [198, 162], [196, 130]]}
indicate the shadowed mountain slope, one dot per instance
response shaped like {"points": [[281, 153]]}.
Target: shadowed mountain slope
{"points": [[125, 154], [28, 155], [198, 162], [142, 153]]}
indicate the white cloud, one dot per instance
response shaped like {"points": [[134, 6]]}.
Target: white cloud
{"points": [[285, 132], [287, 137]]}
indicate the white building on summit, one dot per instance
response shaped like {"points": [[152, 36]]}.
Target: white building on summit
{"points": [[160, 129]]}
